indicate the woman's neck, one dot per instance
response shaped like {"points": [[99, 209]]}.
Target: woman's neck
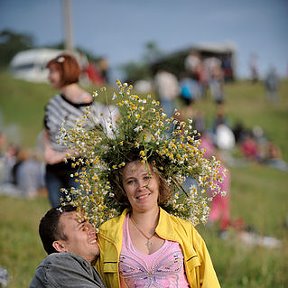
{"points": [[69, 90], [75, 94], [148, 218]]}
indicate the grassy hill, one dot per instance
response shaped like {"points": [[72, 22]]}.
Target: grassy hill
{"points": [[258, 193]]}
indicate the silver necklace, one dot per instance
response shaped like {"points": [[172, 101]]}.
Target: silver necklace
{"points": [[148, 243]]}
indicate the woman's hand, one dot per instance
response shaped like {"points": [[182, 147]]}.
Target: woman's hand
{"points": [[52, 156]]}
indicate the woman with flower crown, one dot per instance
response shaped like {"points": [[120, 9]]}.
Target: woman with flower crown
{"points": [[149, 181], [146, 246]]}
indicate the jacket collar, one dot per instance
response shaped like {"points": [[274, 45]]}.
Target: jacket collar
{"points": [[112, 229], [165, 228]]}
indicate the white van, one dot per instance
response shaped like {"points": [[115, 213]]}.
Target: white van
{"points": [[30, 65]]}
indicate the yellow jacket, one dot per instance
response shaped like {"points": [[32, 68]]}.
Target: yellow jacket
{"points": [[198, 266]]}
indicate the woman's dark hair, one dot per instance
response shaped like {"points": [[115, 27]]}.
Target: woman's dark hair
{"points": [[49, 229]]}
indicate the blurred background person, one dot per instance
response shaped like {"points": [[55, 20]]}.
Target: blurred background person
{"points": [[272, 85], [68, 106], [220, 204], [253, 65], [274, 157], [167, 89], [215, 75]]}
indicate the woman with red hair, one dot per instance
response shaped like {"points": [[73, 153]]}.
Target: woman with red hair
{"points": [[67, 106]]}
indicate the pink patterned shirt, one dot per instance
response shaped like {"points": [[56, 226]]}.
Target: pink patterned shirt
{"points": [[163, 268]]}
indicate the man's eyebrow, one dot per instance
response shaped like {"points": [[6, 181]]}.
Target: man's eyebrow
{"points": [[129, 177], [81, 221]]}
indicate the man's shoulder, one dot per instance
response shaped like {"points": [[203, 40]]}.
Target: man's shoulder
{"points": [[66, 269], [55, 258]]}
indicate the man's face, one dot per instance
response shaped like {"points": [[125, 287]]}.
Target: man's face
{"points": [[81, 236]]}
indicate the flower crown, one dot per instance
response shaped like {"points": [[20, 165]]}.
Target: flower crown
{"points": [[172, 146]]}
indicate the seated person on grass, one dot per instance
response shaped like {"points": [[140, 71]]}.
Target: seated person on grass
{"points": [[71, 244]]}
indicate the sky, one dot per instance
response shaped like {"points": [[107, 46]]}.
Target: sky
{"points": [[119, 29]]}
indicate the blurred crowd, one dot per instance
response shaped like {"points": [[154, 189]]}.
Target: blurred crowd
{"points": [[198, 76], [21, 170], [233, 144], [204, 78]]}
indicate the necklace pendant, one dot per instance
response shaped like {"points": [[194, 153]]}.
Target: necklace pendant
{"points": [[148, 244]]}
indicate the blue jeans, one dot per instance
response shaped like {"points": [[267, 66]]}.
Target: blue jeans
{"points": [[168, 107], [57, 177]]}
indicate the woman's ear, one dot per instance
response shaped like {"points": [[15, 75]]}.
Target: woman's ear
{"points": [[59, 246]]}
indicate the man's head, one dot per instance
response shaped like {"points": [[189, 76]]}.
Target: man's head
{"points": [[64, 230]]}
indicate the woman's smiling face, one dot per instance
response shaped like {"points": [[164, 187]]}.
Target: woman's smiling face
{"points": [[141, 185]]}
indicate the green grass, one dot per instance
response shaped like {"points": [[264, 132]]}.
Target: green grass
{"points": [[20, 246], [258, 193], [22, 105]]}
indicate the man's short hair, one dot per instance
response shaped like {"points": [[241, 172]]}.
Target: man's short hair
{"points": [[49, 229]]}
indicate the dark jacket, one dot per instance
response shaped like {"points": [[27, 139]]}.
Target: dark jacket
{"points": [[65, 270]]}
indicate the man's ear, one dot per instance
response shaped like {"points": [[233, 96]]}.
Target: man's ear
{"points": [[59, 246]]}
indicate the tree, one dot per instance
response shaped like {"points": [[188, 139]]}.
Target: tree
{"points": [[152, 52], [11, 43], [141, 70], [135, 71]]}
